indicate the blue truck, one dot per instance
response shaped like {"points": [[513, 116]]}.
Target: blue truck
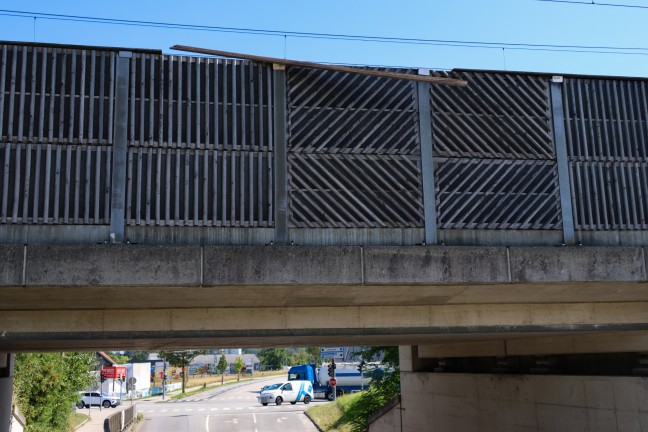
{"points": [[347, 375]]}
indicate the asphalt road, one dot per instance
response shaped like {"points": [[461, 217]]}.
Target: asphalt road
{"points": [[231, 408]]}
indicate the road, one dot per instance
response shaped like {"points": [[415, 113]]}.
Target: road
{"points": [[231, 408]]}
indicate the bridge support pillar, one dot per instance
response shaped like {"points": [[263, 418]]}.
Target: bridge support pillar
{"points": [[562, 160], [6, 390], [120, 150], [280, 155], [427, 160]]}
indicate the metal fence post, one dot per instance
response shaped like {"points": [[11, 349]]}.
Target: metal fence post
{"points": [[120, 149], [562, 161], [427, 161], [280, 154]]}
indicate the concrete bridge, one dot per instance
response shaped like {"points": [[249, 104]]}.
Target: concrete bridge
{"points": [[152, 201]]}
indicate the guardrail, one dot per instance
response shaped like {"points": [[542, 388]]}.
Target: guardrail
{"points": [[118, 422]]}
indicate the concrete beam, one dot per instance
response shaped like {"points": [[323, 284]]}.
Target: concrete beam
{"points": [[139, 265], [572, 264], [279, 265], [11, 265], [575, 343], [110, 265], [434, 264], [412, 324]]}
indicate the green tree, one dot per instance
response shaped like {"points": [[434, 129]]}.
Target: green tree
{"points": [[276, 358], [300, 357], [118, 357], [314, 355], [238, 366], [46, 387], [385, 382], [222, 367], [136, 355], [180, 359]]}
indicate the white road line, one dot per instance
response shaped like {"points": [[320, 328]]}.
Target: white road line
{"points": [[176, 410], [214, 409], [226, 409], [207, 424], [254, 417], [201, 409], [189, 409], [239, 408]]}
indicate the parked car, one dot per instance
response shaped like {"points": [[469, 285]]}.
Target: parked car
{"points": [[93, 398], [292, 391]]}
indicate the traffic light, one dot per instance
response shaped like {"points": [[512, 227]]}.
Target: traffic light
{"points": [[361, 366], [331, 369], [103, 376]]}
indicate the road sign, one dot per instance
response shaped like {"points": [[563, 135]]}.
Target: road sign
{"points": [[333, 381], [340, 349], [132, 381]]}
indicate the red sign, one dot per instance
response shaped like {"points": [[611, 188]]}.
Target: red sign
{"points": [[333, 381], [113, 371]]}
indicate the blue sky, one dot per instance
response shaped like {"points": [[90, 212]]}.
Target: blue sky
{"points": [[495, 21]]}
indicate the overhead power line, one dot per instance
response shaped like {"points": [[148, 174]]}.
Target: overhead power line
{"points": [[335, 36], [595, 3]]}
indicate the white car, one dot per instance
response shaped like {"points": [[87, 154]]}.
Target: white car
{"points": [[291, 391], [93, 398]]}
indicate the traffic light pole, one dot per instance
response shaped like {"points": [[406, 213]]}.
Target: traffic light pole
{"points": [[335, 386], [163, 379]]}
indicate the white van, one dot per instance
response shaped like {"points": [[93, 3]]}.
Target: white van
{"points": [[291, 391]]}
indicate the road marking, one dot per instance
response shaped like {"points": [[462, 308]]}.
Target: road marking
{"points": [[164, 410], [207, 424], [254, 417], [226, 409], [239, 408], [176, 410], [189, 409], [201, 409], [214, 409]]}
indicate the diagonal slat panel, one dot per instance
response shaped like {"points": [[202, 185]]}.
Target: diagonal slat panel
{"points": [[496, 116], [332, 112], [497, 194], [354, 191]]}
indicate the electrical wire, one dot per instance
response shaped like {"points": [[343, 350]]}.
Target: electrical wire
{"points": [[593, 3], [334, 36]]}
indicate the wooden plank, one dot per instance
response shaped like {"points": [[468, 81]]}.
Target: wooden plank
{"points": [[336, 68]]}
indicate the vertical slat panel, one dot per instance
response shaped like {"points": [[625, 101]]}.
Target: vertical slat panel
{"points": [[12, 93], [5, 182], [57, 184], [43, 81], [3, 83], [607, 166], [37, 217], [26, 188], [101, 101], [21, 103]]}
